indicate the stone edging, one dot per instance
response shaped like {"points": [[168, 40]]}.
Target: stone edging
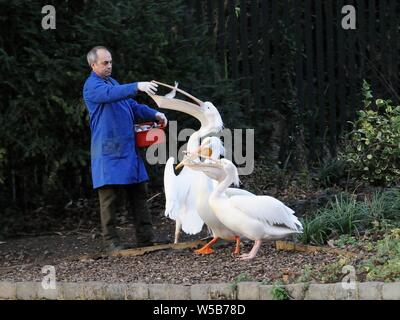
{"points": [[215, 291]]}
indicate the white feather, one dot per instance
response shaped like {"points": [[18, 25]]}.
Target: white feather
{"points": [[182, 190], [266, 209], [179, 200], [254, 217], [230, 192]]}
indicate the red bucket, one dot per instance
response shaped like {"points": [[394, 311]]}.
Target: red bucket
{"points": [[148, 133]]}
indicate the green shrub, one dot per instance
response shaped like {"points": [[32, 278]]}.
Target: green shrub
{"points": [[332, 172], [385, 265], [279, 293], [372, 149], [347, 216], [44, 128], [344, 240]]}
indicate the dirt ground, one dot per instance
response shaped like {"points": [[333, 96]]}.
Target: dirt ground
{"points": [[22, 258]]}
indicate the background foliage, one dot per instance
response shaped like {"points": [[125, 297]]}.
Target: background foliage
{"points": [[44, 132], [372, 148]]}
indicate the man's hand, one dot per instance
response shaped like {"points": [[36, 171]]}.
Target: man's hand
{"points": [[162, 118], [148, 87]]}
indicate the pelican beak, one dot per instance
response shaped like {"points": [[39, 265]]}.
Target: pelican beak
{"points": [[203, 152], [193, 109], [180, 164], [198, 101]]}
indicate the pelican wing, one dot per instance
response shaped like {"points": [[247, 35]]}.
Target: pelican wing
{"points": [[172, 192], [179, 203], [230, 192], [190, 219], [267, 209]]}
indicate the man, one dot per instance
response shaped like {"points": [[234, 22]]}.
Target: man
{"points": [[116, 164]]}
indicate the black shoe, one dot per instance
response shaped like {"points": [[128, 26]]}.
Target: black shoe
{"points": [[152, 242], [161, 241], [142, 244], [114, 246]]}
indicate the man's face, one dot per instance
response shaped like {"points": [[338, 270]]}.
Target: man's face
{"points": [[103, 65]]}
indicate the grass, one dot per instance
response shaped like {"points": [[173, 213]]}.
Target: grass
{"points": [[382, 263], [347, 216], [241, 277], [344, 240], [306, 275], [385, 265], [332, 172]]}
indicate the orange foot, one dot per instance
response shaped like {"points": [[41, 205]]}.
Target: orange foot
{"points": [[237, 247], [236, 251], [204, 250]]}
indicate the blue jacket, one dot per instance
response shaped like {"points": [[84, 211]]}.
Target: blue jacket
{"points": [[114, 157]]}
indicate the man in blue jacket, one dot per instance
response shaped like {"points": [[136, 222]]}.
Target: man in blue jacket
{"points": [[116, 163]]}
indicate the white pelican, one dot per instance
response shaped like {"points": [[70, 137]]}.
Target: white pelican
{"points": [[253, 217], [182, 203], [211, 148]]}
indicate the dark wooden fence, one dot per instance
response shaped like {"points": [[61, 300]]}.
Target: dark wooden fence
{"points": [[294, 56]]}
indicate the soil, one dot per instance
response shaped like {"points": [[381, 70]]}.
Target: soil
{"points": [[22, 258]]}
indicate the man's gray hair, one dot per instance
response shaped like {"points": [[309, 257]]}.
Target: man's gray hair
{"points": [[92, 54]]}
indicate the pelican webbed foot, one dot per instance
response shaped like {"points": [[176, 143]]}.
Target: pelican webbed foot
{"points": [[207, 248]]}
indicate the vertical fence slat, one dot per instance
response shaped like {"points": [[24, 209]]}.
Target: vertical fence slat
{"points": [[233, 40], [255, 57], [221, 39], [394, 54], [210, 17], [321, 85], [267, 53], [278, 85], [361, 36], [372, 43], [286, 12], [383, 66], [287, 92], [199, 11], [310, 78], [392, 35], [331, 76], [350, 57], [341, 68], [386, 32], [299, 56], [187, 29], [244, 52], [209, 8]]}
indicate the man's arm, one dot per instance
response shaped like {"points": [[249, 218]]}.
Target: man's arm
{"points": [[142, 111], [100, 92]]}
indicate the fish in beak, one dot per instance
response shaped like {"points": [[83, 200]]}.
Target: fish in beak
{"points": [[190, 159]]}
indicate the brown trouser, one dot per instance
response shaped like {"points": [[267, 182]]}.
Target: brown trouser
{"points": [[136, 195]]}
